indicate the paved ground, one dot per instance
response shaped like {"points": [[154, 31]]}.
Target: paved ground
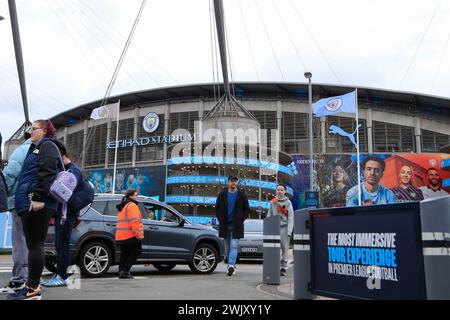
{"points": [[180, 283]]}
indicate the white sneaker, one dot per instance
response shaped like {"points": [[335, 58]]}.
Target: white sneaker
{"points": [[12, 287]]}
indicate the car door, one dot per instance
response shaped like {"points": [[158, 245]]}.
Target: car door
{"points": [[164, 235], [110, 221]]}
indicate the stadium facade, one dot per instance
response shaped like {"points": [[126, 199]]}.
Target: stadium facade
{"points": [[153, 122]]}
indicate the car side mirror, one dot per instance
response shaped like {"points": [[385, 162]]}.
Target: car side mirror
{"points": [[182, 222]]}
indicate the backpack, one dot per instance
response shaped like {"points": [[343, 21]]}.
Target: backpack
{"points": [[83, 197], [62, 188]]}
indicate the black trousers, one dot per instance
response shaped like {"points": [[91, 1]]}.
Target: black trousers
{"points": [[130, 250], [35, 227]]}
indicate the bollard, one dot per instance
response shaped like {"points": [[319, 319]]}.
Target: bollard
{"points": [[435, 218], [302, 274], [271, 250]]}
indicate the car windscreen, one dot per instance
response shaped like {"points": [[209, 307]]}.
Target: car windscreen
{"points": [[253, 226]]}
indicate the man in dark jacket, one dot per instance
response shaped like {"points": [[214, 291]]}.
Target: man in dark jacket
{"points": [[232, 208]]}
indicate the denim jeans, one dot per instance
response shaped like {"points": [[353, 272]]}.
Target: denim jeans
{"points": [[19, 250], [62, 244], [231, 247]]}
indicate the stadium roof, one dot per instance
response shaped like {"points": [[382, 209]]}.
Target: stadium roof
{"points": [[412, 103]]}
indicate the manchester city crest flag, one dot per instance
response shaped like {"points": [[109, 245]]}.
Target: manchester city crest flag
{"points": [[333, 105]]}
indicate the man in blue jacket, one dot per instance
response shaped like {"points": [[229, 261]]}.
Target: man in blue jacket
{"points": [[19, 246]]}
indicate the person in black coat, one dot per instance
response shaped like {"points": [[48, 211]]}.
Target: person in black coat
{"points": [[232, 208], [33, 202]]}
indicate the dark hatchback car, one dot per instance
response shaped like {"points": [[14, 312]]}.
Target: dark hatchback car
{"points": [[169, 239]]}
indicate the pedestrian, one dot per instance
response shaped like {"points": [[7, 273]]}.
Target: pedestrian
{"points": [[19, 246], [63, 231], [232, 208], [281, 206], [33, 203], [129, 233]]}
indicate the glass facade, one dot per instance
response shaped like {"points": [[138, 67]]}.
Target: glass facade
{"points": [[433, 141], [389, 137]]}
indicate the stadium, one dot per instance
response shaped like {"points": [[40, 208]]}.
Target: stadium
{"points": [[392, 123]]}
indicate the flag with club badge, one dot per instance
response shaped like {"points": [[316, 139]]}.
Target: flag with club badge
{"points": [[107, 111], [333, 105]]}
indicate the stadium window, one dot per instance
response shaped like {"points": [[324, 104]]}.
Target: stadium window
{"points": [[389, 137], [74, 145], [96, 147], [126, 130], [433, 141]]}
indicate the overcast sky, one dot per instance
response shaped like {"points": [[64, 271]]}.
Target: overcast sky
{"points": [[71, 47]]}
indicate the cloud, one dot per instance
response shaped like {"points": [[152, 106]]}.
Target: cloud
{"points": [[71, 47]]}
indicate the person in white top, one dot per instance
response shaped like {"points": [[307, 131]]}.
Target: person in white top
{"points": [[433, 189], [282, 206]]}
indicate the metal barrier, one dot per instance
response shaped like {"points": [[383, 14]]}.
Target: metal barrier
{"points": [[435, 219], [302, 273], [271, 250]]}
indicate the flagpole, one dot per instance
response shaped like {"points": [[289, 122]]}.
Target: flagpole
{"points": [[357, 148], [115, 153]]}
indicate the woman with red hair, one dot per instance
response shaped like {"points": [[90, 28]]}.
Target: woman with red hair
{"points": [[33, 203]]}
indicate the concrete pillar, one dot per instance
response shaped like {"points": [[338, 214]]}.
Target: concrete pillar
{"points": [[369, 124], [85, 133], [166, 130], [65, 134], [323, 134], [279, 117], [135, 134], [108, 139], [201, 109], [418, 134]]}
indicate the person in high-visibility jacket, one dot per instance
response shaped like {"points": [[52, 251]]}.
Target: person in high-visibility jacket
{"points": [[129, 233]]}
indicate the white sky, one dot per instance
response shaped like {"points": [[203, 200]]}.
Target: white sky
{"points": [[70, 47]]}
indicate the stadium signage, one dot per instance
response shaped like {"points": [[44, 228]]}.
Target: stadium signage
{"points": [[125, 143], [368, 252], [151, 122]]}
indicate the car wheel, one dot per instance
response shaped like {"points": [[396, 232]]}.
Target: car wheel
{"points": [[164, 267], [95, 259], [204, 260], [50, 266]]}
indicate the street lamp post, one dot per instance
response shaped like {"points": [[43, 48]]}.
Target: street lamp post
{"points": [[308, 75]]}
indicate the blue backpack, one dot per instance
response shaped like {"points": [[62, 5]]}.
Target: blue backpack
{"points": [[82, 197]]}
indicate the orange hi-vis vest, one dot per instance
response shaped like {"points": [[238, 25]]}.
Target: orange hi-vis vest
{"points": [[129, 223]]}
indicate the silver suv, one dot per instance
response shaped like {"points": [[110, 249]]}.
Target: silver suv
{"points": [[169, 239]]}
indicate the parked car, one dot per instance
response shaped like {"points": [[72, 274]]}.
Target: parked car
{"points": [[251, 246], [169, 239]]}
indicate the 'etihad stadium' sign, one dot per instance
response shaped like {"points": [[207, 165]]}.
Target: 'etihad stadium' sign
{"points": [[152, 140]]}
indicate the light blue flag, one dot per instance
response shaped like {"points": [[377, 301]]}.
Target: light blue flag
{"points": [[333, 105]]}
